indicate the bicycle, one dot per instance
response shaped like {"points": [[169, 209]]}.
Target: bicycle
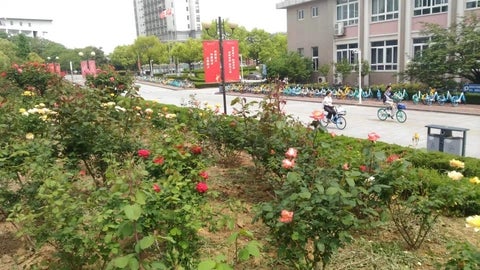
{"points": [[385, 112], [338, 119]]}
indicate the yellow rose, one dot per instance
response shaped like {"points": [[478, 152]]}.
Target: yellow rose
{"points": [[457, 164], [29, 136], [473, 221], [474, 180]]}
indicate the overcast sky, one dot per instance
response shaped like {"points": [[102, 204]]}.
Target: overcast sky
{"points": [[110, 23]]}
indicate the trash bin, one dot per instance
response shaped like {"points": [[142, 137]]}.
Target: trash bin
{"points": [[446, 139]]}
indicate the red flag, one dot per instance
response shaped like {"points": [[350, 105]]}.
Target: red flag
{"points": [[163, 14]]}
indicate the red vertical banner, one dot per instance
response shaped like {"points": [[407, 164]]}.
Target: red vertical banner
{"points": [[211, 61], [57, 68], [51, 68], [84, 67], [230, 61], [92, 67]]}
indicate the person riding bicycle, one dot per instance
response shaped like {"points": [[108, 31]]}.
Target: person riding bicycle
{"points": [[388, 100], [328, 106]]}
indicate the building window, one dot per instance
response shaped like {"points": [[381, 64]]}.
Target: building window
{"points": [[314, 12], [315, 58], [383, 10], [424, 7], [473, 4], [301, 51], [384, 55], [345, 52], [347, 11], [420, 44], [300, 14]]}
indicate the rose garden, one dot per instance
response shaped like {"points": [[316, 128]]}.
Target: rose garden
{"points": [[96, 177]]}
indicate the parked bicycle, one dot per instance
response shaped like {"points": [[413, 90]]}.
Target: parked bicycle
{"points": [[397, 112], [338, 119]]}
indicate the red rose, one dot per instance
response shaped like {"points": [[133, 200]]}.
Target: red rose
{"points": [[197, 150], [156, 188], [144, 153], [202, 187], [159, 160], [363, 168], [204, 175], [392, 158]]}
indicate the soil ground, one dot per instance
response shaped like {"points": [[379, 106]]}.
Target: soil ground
{"points": [[237, 190]]}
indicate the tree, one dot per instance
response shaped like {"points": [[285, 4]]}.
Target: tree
{"points": [[452, 53], [188, 52], [297, 68], [148, 49], [324, 70], [343, 68], [23, 46], [123, 57]]}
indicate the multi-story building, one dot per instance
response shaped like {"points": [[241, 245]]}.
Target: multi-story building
{"points": [[29, 27], [169, 20], [386, 33]]}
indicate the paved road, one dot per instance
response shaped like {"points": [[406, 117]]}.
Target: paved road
{"points": [[360, 119]]}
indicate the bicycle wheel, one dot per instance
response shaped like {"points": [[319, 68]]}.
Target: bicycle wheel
{"points": [[341, 122], [401, 116], [382, 114]]}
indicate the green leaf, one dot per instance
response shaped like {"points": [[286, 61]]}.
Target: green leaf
{"points": [[253, 248], [332, 190], [133, 212], [122, 262], [147, 241], [207, 265], [140, 197], [133, 263], [350, 182], [243, 255], [305, 195]]}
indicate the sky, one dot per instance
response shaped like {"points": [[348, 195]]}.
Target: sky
{"points": [[111, 23]]}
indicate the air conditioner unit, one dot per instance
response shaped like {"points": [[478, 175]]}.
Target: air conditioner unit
{"points": [[339, 29]]}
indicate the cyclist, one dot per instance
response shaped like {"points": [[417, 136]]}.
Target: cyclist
{"points": [[387, 99], [328, 106]]}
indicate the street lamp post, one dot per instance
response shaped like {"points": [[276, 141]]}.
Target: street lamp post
{"points": [[359, 52], [222, 34], [241, 68], [151, 68]]}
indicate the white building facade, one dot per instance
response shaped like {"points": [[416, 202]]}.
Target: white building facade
{"points": [[169, 20], [35, 28]]}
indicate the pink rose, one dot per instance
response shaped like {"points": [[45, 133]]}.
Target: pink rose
{"points": [[286, 216], [372, 136], [317, 115], [288, 164], [291, 153]]}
